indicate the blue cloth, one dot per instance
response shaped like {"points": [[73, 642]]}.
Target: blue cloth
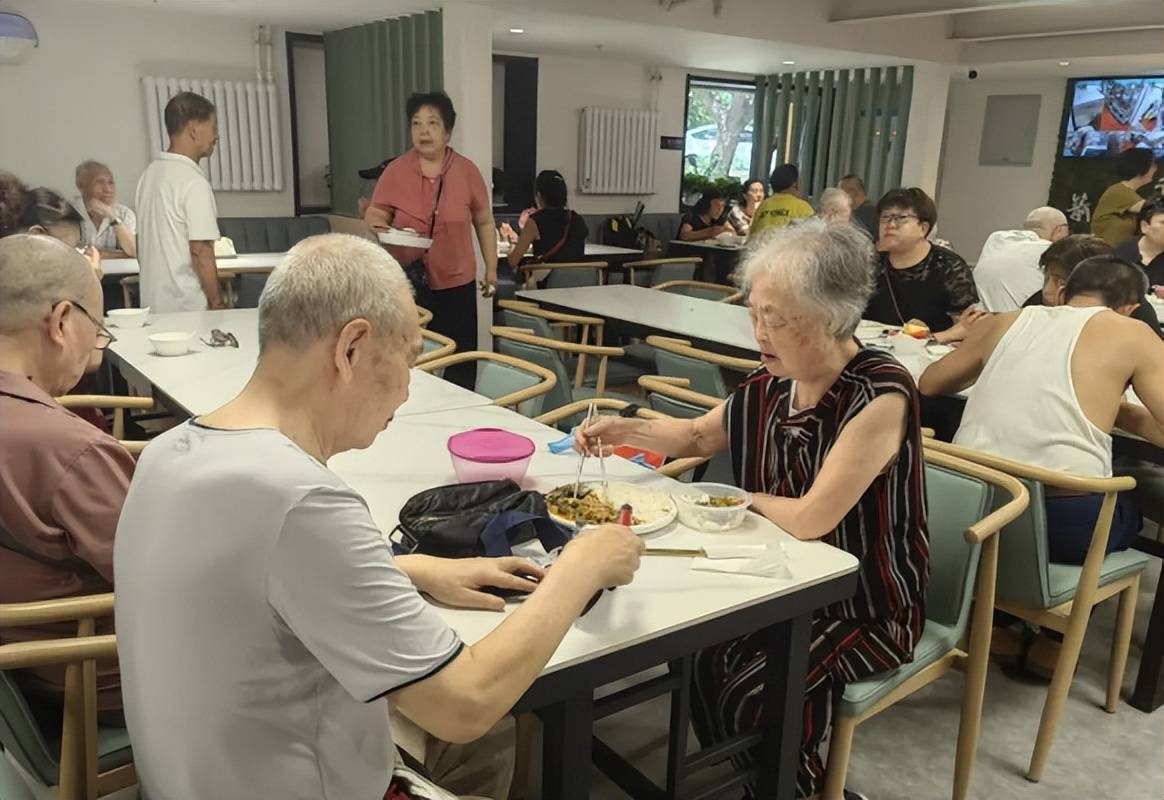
{"points": [[563, 445], [495, 537], [1071, 519]]}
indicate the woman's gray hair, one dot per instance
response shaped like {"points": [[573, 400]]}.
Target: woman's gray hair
{"points": [[87, 170], [828, 270], [324, 283]]}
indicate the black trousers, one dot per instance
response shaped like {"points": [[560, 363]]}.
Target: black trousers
{"points": [[454, 314]]}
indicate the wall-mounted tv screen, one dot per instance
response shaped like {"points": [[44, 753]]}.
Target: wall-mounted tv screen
{"points": [[1105, 116]]}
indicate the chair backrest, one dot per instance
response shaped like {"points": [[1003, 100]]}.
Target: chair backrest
{"points": [[674, 408], [21, 736], [954, 502], [513, 318], [672, 272], [561, 394], [705, 378], [1022, 554], [496, 380], [12, 785], [571, 278]]}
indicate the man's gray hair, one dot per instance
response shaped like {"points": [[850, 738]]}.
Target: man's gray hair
{"points": [[1044, 220], [324, 283], [37, 271], [835, 203], [828, 270], [87, 171]]}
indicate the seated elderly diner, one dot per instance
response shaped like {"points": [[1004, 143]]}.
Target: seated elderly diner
{"points": [[62, 480], [1049, 387], [826, 435], [109, 226], [260, 611], [1007, 270]]}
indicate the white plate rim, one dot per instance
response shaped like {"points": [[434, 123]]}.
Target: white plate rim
{"points": [[638, 530]]}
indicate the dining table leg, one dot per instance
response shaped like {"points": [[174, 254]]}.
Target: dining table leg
{"points": [[566, 747], [778, 756], [1149, 692]]}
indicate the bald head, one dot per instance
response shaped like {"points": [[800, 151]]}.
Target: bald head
{"points": [[1049, 223], [327, 281], [36, 272]]}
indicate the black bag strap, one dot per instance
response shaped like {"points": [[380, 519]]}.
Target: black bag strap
{"points": [[553, 251]]}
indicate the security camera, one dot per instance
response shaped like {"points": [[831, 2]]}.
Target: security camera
{"points": [[972, 74]]}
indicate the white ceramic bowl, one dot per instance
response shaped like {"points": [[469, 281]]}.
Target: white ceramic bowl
{"points": [[128, 317], [694, 514], [171, 344]]}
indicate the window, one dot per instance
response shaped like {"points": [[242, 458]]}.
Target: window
{"points": [[717, 145], [515, 132], [309, 142]]}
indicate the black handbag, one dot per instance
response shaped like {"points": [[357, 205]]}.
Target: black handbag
{"points": [[465, 520]]}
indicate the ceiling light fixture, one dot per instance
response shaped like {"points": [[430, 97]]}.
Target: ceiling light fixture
{"points": [[517, 30], [1064, 63], [788, 63], [17, 38]]}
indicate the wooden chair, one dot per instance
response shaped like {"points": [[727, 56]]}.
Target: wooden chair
{"points": [[663, 269], [963, 567], [425, 316], [226, 281], [1061, 596], [705, 369], [433, 346], [672, 469], [100, 401], [702, 290], [92, 761], [565, 275], [509, 382], [674, 397]]}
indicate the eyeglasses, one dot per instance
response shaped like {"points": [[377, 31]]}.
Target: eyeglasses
{"points": [[220, 338], [104, 336], [894, 220]]}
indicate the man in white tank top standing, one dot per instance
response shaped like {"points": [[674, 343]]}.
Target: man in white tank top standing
{"points": [[1049, 386]]}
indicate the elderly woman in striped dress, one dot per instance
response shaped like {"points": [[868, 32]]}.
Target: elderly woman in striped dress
{"points": [[826, 435]]}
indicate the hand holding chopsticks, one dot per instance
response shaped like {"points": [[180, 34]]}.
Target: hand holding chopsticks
{"points": [[591, 415]]}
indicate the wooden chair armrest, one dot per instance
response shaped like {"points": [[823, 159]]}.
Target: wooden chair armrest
{"points": [[425, 315], [529, 337], [554, 316], [105, 401], [49, 652], [548, 379], [682, 347], [533, 265], [658, 262], [580, 407], [135, 448], [447, 347], [680, 466], [1060, 480], [669, 387], [48, 612]]}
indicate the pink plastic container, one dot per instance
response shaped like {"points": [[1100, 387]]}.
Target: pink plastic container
{"points": [[490, 454]]}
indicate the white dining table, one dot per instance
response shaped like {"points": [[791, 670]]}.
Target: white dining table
{"points": [[734, 246], [243, 262], [208, 377], [670, 610]]}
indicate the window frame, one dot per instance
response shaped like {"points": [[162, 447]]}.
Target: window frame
{"points": [[705, 80]]}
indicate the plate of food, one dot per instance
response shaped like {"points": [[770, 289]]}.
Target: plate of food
{"points": [[653, 510], [404, 237]]}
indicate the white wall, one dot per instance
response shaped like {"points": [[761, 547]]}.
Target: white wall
{"points": [[972, 200], [566, 84], [78, 95], [926, 128], [311, 125]]}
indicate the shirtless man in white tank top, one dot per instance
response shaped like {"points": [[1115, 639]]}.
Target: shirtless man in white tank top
{"points": [[1049, 383]]}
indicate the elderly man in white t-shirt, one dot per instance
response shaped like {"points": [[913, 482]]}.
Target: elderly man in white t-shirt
{"points": [[178, 219], [261, 617], [1007, 271], [109, 226]]}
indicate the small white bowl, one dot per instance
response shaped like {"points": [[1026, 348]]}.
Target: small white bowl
{"points": [[128, 317], [694, 514], [171, 344]]}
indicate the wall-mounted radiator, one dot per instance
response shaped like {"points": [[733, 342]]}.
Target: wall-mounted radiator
{"points": [[616, 151], [249, 155]]}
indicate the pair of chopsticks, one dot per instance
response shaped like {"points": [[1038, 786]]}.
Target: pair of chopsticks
{"points": [[591, 414], [672, 551]]}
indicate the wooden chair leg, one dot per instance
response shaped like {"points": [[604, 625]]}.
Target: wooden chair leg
{"points": [[840, 748], [526, 732], [977, 665], [1060, 686], [1121, 642]]}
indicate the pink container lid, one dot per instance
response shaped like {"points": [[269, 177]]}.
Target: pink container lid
{"points": [[490, 446]]}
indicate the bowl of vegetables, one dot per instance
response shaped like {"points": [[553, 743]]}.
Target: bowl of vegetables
{"points": [[714, 507]]}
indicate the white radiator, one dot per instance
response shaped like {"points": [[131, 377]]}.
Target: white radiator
{"points": [[249, 155], [616, 151]]}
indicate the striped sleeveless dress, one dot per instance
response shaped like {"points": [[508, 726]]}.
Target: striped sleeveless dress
{"points": [[778, 450]]}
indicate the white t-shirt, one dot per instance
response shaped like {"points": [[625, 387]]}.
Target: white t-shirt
{"points": [[176, 206], [104, 236], [260, 620], [1007, 271]]}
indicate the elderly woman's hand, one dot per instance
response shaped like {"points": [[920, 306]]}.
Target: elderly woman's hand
{"points": [[609, 430]]}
